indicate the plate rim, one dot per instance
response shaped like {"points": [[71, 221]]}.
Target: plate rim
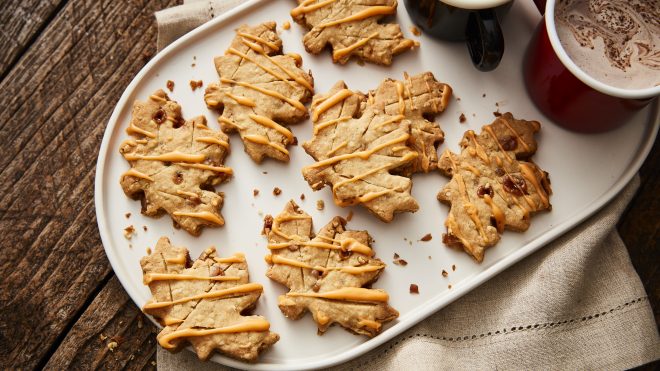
{"points": [[428, 307]]}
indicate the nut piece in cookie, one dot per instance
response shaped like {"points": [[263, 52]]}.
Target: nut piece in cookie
{"points": [[201, 303], [260, 91], [174, 164], [326, 274], [366, 147], [352, 29], [494, 184]]}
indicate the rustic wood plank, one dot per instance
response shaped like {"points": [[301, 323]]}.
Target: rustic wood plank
{"points": [[54, 105], [21, 22], [112, 316]]}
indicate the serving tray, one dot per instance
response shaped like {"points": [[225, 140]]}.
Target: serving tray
{"points": [[586, 172]]}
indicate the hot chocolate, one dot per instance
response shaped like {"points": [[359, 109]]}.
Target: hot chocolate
{"points": [[616, 42]]}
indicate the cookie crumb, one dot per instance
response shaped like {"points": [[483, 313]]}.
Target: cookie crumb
{"points": [[399, 261], [497, 113], [148, 250], [112, 345], [462, 118], [144, 228], [129, 231], [277, 191], [170, 85], [427, 237], [320, 205], [453, 267], [414, 289], [444, 273], [349, 216], [483, 95], [127, 215], [194, 84], [449, 287], [286, 25], [102, 337], [255, 192], [458, 99], [415, 31], [268, 224], [429, 257], [264, 172], [193, 65], [302, 197], [295, 141]]}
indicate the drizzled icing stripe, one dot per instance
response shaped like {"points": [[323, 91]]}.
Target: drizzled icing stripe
{"points": [[334, 99], [358, 294], [300, 80], [265, 121], [272, 93], [306, 7], [262, 139], [212, 140], [217, 169], [371, 11], [240, 289], [137, 174], [251, 325], [348, 244], [340, 53], [148, 278], [361, 154], [205, 215], [276, 259], [170, 156]]}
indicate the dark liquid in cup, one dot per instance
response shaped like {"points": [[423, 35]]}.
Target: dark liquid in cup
{"points": [[616, 42]]}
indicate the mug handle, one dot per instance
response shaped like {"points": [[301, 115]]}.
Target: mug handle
{"points": [[540, 4], [484, 39]]}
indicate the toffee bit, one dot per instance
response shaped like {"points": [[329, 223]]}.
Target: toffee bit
{"points": [[255, 192], [462, 118], [415, 31], [302, 197], [170, 85], [148, 250], [414, 289], [195, 84], [320, 205], [268, 224], [286, 25], [277, 191], [427, 237], [444, 273], [453, 267], [129, 231], [349, 216]]}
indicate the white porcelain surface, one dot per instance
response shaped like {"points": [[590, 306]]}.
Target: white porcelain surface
{"points": [[586, 171]]}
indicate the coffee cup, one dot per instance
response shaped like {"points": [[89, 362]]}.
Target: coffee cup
{"points": [[477, 22], [564, 91]]}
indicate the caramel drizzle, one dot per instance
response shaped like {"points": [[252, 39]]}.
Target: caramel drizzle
{"points": [[205, 215], [157, 98], [187, 194], [148, 278], [242, 100], [227, 121], [369, 323], [276, 259], [340, 53], [252, 325], [347, 244], [358, 294], [370, 196], [472, 169], [393, 120], [478, 148], [520, 139], [217, 169], [259, 40], [371, 11], [528, 173], [499, 145], [265, 121], [245, 288], [134, 129], [262, 139], [212, 140], [305, 7], [299, 79], [361, 154], [402, 102], [406, 158], [236, 258], [408, 87], [469, 208], [258, 48], [170, 157], [340, 146], [497, 213], [320, 126], [272, 93], [328, 102], [181, 259], [288, 218], [137, 174]]}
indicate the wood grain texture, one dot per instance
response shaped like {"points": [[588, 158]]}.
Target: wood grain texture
{"points": [[21, 22], [54, 106]]}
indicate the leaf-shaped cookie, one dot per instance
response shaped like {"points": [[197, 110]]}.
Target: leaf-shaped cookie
{"points": [[494, 185], [261, 91], [367, 146], [326, 274], [202, 303], [352, 28], [174, 164]]}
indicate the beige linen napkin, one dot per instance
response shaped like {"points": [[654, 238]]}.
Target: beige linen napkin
{"points": [[575, 304]]}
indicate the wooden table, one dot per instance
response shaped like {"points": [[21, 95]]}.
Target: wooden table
{"points": [[63, 66]]}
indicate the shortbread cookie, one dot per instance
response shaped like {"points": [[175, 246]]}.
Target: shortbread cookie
{"points": [[174, 164], [326, 274], [201, 303], [368, 146], [260, 91], [352, 29], [494, 184]]}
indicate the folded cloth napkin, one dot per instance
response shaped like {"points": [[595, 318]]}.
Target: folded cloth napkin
{"points": [[575, 304]]}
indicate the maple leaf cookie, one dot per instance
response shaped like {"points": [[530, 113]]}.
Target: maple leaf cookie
{"points": [[494, 185], [260, 92], [352, 29], [326, 273], [367, 146], [201, 303], [174, 164]]}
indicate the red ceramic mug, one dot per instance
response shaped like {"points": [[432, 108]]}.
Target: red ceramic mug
{"points": [[568, 95]]}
